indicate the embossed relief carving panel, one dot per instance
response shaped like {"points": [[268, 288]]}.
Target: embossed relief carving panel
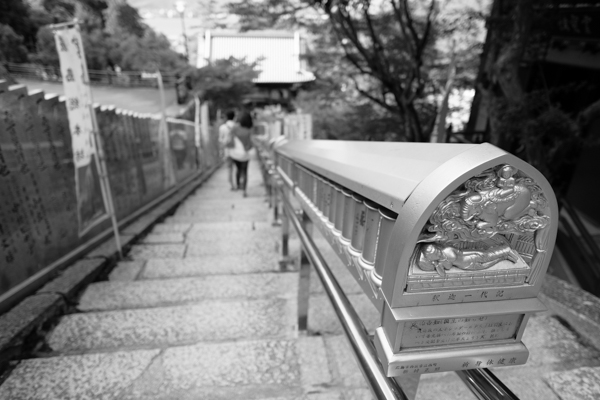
{"points": [[492, 231]]}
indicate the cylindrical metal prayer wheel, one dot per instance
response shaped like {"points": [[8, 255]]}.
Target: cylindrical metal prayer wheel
{"points": [[358, 224], [332, 203], [327, 193], [339, 210], [386, 225], [314, 183], [348, 218], [320, 192], [371, 231]]}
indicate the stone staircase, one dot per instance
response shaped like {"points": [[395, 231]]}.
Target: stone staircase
{"points": [[201, 310]]}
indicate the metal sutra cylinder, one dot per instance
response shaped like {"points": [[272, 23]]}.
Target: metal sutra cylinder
{"points": [[367, 257], [307, 184], [386, 225], [339, 210], [303, 181], [348, 218], [319, 202], [358, 224], [327, 193], [314, 180]]}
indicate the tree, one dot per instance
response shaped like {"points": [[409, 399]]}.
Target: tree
{"points": [[390, 50], [12, 48], [224, 82], [122, 39], [15, 13], [536, 122], [146, 53], [125, 19]]}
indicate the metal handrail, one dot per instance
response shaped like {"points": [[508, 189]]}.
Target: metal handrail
{"points": [[485, 385], [481, 382], [363, 349]]}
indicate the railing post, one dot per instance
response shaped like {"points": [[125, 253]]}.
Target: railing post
{"points": [[284, 222], [275, 200], [304, 276]]}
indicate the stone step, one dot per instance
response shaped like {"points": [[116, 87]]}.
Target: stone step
{"points": [[209, 265], [156, 293], [323, 321], [234, 215], [168, 326], [165, 250], [210, 237], [245, 244], [169, 228], [311, 368], [233, 226], [577, 384], [126, 271], [192, 205], [164, 238], [207, 237]]}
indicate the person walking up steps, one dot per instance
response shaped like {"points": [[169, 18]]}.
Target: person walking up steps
{"points": [[225, 139], [242, 143]]}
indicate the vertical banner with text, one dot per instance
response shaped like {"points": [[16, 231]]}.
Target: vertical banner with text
{"points": [[92, 204]]}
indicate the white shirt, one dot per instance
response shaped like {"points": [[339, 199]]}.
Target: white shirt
{"points": [[225, 135]]}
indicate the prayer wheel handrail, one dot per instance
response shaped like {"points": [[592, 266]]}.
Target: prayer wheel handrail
{"points": [[450, 242]]}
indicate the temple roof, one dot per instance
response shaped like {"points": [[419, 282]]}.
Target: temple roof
{"points": [[278, 53]]}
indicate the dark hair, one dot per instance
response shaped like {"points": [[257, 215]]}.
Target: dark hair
{"points": [[245, 120], [230, 115]]}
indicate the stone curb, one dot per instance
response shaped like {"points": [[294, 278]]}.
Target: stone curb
{"points": [[22, 320], [51, 300]]}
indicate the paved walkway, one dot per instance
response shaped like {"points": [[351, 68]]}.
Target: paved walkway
{"points": [[201, 311]]}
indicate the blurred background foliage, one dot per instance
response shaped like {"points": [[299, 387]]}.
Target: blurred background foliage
{"points": [[113, 33]]}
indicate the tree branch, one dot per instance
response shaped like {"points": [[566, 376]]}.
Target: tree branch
{"points": [[369, 96]]}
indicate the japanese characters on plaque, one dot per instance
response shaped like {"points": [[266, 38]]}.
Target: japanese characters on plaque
{"points": [[436, 332]]}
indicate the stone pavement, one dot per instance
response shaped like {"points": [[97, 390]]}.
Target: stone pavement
{"points": [[201, 310]]}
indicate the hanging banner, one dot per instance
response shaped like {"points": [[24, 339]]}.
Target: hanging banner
{"points": [[92, 204]]}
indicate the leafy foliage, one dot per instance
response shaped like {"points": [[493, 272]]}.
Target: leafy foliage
{"points": [[387, 52], [11, 45], [125, 20], [224, 82], [113, 34]]}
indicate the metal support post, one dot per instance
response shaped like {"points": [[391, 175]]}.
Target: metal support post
{"points": [[275, 201], [304, 284], [285, 238]]}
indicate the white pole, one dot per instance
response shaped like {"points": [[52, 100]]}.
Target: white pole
{"points": [[101, 165], [198, 132], [101, 161], [169, 177]]}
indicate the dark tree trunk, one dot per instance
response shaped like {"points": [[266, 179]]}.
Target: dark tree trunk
{"points": [[508, 28]]}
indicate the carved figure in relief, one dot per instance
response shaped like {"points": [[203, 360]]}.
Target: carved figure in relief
{"points": [[437, 258], [507, 200], [467, 230]]}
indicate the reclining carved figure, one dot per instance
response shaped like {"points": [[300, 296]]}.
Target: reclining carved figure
{"points": [[437, 258]]}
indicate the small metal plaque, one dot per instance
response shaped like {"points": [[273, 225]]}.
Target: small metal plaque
{"points": [[450, 331]]}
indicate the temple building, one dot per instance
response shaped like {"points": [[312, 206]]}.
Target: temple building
{"points": [[279, 55]]}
